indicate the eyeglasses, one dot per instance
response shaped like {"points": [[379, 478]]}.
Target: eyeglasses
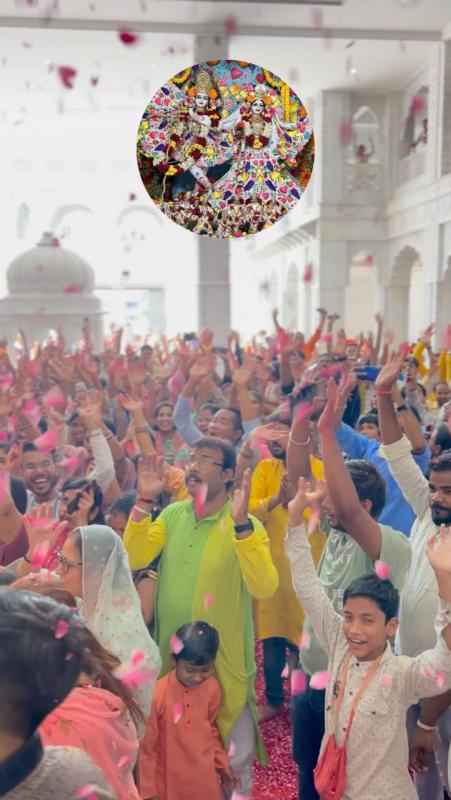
{"points": [[204, 461], [65, 565], [42, 465]]}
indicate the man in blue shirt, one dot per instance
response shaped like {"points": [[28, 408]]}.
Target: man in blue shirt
{"points": [[397, 511]]}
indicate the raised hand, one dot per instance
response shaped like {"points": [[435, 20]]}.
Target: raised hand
{"points": [[327, 420], [152, 477], [42, 530], [240, 501], [287, 491], [438, 551], [305, 497], [202, 367], [130, 402], [90, 414], [242, 376], [389, 374]]}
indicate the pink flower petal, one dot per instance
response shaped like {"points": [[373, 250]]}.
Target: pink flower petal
{"points": [[298, 682], [73, 288], [304, 644], [175, 644], [285, 672], [125, 761], [178, 712], [200, 498], [369, 260], [137, 657], [135, 677], [69, 657], [132, 197], [54, 398], [308, 274], [61, 629], [386, 680], [302, 411], [47, 441], [382, 570], [70, 463], [441, 680], [208, 601], [127, 37], [6, 381], [417, 105], [67, 76], [320, 679], [231, 25], [346, 132], [232, 749], [88, 792]]}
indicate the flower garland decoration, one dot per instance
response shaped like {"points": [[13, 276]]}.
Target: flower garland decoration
{"points": [[182, 77], [284, 92]]}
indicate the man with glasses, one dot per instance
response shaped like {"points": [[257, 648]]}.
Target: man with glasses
{"points": [[214, 560]]}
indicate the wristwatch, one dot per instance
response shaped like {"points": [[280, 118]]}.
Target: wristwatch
{"points": [[247, 526], [402, 407]]}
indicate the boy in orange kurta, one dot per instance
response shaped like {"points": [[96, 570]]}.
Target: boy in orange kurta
{"points": [[181, 755]]}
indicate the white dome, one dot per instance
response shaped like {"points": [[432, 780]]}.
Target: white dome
{"points": [[49, 269]]}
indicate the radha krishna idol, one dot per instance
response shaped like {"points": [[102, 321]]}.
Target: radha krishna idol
{"points": [[222, 155]]}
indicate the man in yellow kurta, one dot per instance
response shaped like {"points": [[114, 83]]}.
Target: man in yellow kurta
{"points": [[279, 618], [215, 558]]}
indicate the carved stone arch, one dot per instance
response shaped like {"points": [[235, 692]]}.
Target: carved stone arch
{"points": [[63, 211]]}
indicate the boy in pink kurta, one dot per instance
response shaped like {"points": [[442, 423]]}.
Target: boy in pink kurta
{"points": [[181, 755]]}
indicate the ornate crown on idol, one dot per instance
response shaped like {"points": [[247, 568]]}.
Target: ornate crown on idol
{"points": [[260, 93], [203, 83]]}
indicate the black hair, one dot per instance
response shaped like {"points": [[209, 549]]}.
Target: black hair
{"points": [[7, 577], [30, 447], [442, 463], [281, 417], [369, 484], [124, 503], [209, 407], [443, 437], [440, 383], [368, 419], [418, 386], [227, 451], [37, 670], [200, 643], [82, 484], [381, 592], [18, 493]]}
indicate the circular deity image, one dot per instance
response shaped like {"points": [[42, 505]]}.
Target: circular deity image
{"points": [[225, 148]]}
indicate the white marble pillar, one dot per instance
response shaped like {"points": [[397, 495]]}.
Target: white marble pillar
{"points": [[214, 254]]}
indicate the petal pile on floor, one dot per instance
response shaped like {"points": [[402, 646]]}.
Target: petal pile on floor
{"points": [[278, 780]]}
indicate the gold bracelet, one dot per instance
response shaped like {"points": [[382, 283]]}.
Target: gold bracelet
{"points": [[299, 444]]}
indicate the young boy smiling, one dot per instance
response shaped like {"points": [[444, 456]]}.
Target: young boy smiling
{"points": [[359, 652]]}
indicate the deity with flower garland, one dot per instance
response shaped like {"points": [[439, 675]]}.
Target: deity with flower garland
{"points": [[186, 136], [221, 148], [260, 172]]}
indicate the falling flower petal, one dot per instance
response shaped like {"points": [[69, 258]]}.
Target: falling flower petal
{"points": [[441, 680], [302, 411], [232, 749], [88, 792], [73, 288], [6, 381], [132, 197], [67, 76], [47, 441], [298, 682], [200, 498], [405, 349], [382, 570], [317, 17], [94, 79], [231, 25], [134, 677], [54, 398], [178, 711], [61, 629], [70, 463], [386, 680], [346, 132], [308, 274], [304, 644], [175, 644], [131, 449], [208, 601], [69, 657], [320, 679], [369, 260], [137, 657], [417, 105], [123, 762], [285, 672], [127, 37]]}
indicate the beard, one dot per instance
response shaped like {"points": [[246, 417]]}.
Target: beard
{"points": [[441, 515]]}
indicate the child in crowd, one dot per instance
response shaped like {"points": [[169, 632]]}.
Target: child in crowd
{"points": [[369, 689], [181, 754], [38, 669]]}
